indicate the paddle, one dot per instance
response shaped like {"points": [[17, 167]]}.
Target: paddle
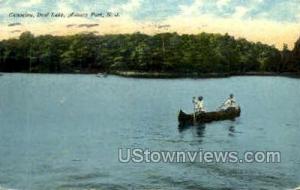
{"points": [[194, 115]]}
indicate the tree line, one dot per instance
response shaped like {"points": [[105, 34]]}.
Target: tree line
{"points": [[165, 52]]}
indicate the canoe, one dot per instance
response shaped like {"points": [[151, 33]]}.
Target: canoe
{"points": [[207, 117]]}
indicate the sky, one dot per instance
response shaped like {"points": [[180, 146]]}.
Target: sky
{"points": [[273, 22]]}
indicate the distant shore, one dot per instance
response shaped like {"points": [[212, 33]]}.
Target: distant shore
{"points": [[135, 74], [170, 75]]}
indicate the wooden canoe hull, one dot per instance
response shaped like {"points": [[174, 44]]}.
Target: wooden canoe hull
{"points": [[206, 117]]}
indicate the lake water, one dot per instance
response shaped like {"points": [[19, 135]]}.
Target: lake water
{"points": [[64, 132]]}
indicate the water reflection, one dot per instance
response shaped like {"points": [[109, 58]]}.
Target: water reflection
{"points": [[231, 131], [197, 130], [200, 130]]}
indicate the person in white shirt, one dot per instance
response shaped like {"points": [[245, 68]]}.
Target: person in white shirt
{"points": [[229, 103], [198, 104]]}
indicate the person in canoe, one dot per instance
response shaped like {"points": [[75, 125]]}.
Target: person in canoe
{"points": [[198, 104], [229, 103]]}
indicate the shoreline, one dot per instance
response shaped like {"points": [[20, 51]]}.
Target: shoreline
{"points": [[169, 75]]}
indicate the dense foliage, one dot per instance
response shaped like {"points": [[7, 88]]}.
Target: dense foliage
{"points": [[166, 52], [291, 59]]}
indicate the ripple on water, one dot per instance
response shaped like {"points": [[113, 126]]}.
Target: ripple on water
{"points": [[96, 186], [242, 175], [87, 176], [4, 188], [172, 182]]}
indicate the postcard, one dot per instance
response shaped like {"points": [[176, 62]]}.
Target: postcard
{"points": [[149, 94]]}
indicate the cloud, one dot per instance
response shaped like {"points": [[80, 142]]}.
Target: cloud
{"points": [[4, 10], [16, 31], [164, 26], [221, 3], [240, 12], [279, 10], [14, 24], [70, 25], [87, 25], [29, 3], [64, 6], [192, 9], [129, 7]]}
